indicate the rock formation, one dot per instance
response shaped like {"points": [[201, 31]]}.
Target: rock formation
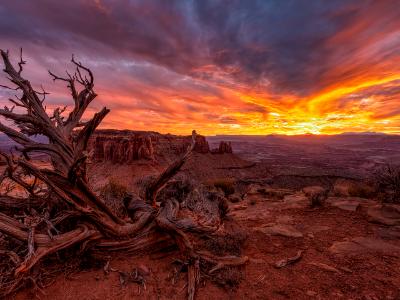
{"points": [[120, 149], [125, 146], [224, 147], [201, 145]]}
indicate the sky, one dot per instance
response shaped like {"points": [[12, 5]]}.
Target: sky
{"points": [[220, 67]]}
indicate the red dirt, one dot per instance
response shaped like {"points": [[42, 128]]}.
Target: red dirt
{"points": [[365, 275]]}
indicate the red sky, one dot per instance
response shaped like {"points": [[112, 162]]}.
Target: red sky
{"points": [[220, 67]]}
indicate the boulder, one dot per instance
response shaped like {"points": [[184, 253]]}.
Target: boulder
{"points": [[297, 200], [363, 244], [350, 203], [387, 214]]}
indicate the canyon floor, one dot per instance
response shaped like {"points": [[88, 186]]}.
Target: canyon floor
{"points": [[348, 248], [343, 256]]}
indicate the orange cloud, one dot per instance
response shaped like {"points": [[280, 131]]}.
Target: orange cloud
{"points": [[247, 68]]}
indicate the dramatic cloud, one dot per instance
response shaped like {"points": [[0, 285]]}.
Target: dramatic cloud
{"points": [[220, 66]]}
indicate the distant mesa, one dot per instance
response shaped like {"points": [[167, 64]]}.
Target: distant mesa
{"points": [[128, 146]]}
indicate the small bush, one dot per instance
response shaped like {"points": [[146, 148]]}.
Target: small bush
{"points": [[387, 181], [228, 277], [113, 194], [316, 194], [179, 189], [229, 244], [227, 185], [361, 190]]}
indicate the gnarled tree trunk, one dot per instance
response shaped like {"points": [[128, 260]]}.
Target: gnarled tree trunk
{"points": [[59, 197]]}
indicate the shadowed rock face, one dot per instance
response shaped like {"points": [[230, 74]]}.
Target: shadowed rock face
{"points": [[201, 145], [121, 147], [225, 147]]}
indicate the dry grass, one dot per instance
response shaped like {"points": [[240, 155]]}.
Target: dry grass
{"points": [[229, 244], [113, 194], [229, 277], [387, 182], [178, 189], [227, 185], [362, 190]]}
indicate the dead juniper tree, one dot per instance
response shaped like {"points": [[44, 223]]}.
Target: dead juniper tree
{"points": [[58, 211]]}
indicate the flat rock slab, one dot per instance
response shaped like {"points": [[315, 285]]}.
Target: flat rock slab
{"points": [[387, 214], [349, 203], [295, 201], [282, 230], [363, 244], [283, 219]]}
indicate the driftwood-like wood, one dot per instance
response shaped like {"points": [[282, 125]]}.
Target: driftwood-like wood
{"points": [[60, 195]]}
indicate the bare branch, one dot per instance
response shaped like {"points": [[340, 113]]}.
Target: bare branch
{"points": [[20, 63], [153, 189]]}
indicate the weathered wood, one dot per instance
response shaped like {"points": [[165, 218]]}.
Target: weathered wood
{"points": [[65, 197]]}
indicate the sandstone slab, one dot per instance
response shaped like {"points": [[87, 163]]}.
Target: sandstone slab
{"points": [[387, 214], [295, 201], [363, 244], [282, 230], [350, 203]]}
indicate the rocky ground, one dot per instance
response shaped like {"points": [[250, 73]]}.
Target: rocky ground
{"points": [[349, 248]]}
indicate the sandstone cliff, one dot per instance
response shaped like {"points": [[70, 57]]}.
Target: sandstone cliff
{"points": [[123, 146]]}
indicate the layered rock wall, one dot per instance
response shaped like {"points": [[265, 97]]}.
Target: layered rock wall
{"points": [[127, 146], [122, 149]]}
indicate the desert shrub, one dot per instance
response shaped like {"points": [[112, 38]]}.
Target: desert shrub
{"points": [[316, 194], [352, 188], [229, 277], [362, 190], [241, 188], [253, 201], [113, 194], [275, 193], [179, 189], [229, 244], [227, 185], [387, 182]]}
